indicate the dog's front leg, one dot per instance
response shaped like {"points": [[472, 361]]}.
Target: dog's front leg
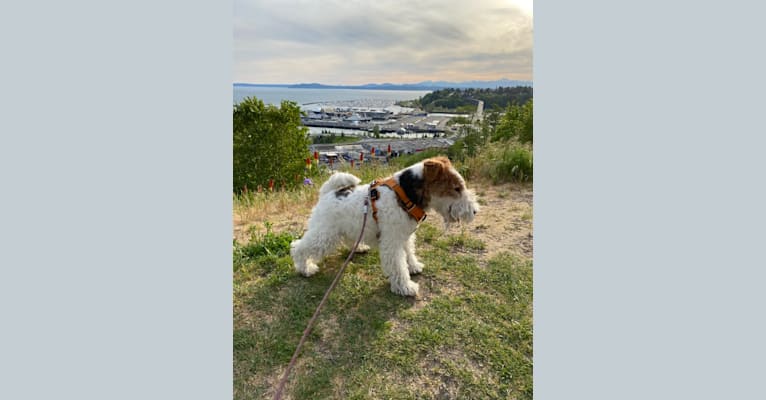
{"points": [[414, 266], [393, 260]]}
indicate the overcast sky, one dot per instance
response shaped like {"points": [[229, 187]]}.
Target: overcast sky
{"points": [[357, 42]]}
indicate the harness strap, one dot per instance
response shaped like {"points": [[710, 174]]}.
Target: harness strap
{"points": [[412, 209]]}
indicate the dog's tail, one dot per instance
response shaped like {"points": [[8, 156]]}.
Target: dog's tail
{"points": [[337, 181]]}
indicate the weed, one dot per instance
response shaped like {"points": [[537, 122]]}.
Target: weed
{"points": [[527, 216]]}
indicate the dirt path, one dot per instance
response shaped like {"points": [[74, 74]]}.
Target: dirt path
{"points": [[504, 223]]}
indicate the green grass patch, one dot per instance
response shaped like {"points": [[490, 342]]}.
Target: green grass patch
{"points": [[471, 338], [460, 242]]}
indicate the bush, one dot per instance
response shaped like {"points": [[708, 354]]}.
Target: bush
{"points": [[470, 143], [516, 123], [269, 143], [515, 165], [500, 162]]}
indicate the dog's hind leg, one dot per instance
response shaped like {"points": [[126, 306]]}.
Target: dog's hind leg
{"points": [[413, 265], [310, 249], [361, 249]]}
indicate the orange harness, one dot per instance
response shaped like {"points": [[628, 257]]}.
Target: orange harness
{"points": [[412, 209]]}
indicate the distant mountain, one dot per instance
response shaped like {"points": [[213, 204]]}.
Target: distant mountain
{"points": [[425, 85], [261, 84]]}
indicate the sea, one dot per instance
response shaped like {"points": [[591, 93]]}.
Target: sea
{"points": [[315, 99], [310, 98]]}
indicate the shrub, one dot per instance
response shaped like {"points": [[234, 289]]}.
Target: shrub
{"points": [[469, 144], [515, 165], [516, 123], [500, 162], [269, 143]]}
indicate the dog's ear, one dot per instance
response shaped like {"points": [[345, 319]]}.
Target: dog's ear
{"points": [[444, 160], [433, 168]]}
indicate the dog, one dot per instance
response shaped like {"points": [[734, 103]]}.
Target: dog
{"points": [[430, 185]]}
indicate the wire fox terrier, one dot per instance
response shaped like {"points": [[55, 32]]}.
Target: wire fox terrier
{"points": [[432, 184]]}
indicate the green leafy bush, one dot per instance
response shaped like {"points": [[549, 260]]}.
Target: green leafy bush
{"points": [[516, 123], [515, 165], [500, 163], [269, 143]]}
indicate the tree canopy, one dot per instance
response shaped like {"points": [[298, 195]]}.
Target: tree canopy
{"points": [[269, 143], [516, 123], [464, 100]]}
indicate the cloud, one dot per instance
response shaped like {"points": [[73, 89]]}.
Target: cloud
{"points": [[354, 42]]}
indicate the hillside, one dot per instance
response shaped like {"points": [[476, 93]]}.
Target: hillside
{"points": [[467, 335], [465, 100]]}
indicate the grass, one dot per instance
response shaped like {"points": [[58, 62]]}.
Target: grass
{"points": [[527, 216], [501, 162], [469, 336]]}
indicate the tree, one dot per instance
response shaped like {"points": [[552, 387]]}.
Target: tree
{"points": [[516, 123], [467, 145], [376, 131], [269, 143]]}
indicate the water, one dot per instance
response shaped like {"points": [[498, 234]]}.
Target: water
{"points": [[314, 98]]}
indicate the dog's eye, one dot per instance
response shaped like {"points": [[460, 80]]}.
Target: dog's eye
{"points": [[458, 189]]}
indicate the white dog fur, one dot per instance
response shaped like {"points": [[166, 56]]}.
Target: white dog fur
{"points": [[432, 184]]}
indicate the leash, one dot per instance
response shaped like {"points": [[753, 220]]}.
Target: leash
{"points": [[278, 394]]}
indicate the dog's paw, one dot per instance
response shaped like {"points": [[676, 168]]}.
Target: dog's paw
{"points": [[415, 268], [409, 289], [310, 269], [362, 248]]}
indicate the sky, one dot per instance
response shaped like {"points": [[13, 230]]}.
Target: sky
{"points": [[353, 42]]}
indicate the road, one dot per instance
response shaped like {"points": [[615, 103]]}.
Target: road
{"points": [[480, 111]]}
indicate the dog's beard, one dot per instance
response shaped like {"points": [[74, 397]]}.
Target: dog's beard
{"points": [[458, 213], [451, 217], [449, 220]]}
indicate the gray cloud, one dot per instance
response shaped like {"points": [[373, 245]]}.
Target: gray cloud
{"points": [[359, 42]]}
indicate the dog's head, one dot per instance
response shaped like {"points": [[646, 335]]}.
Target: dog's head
{"points": [[442, 189]]}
